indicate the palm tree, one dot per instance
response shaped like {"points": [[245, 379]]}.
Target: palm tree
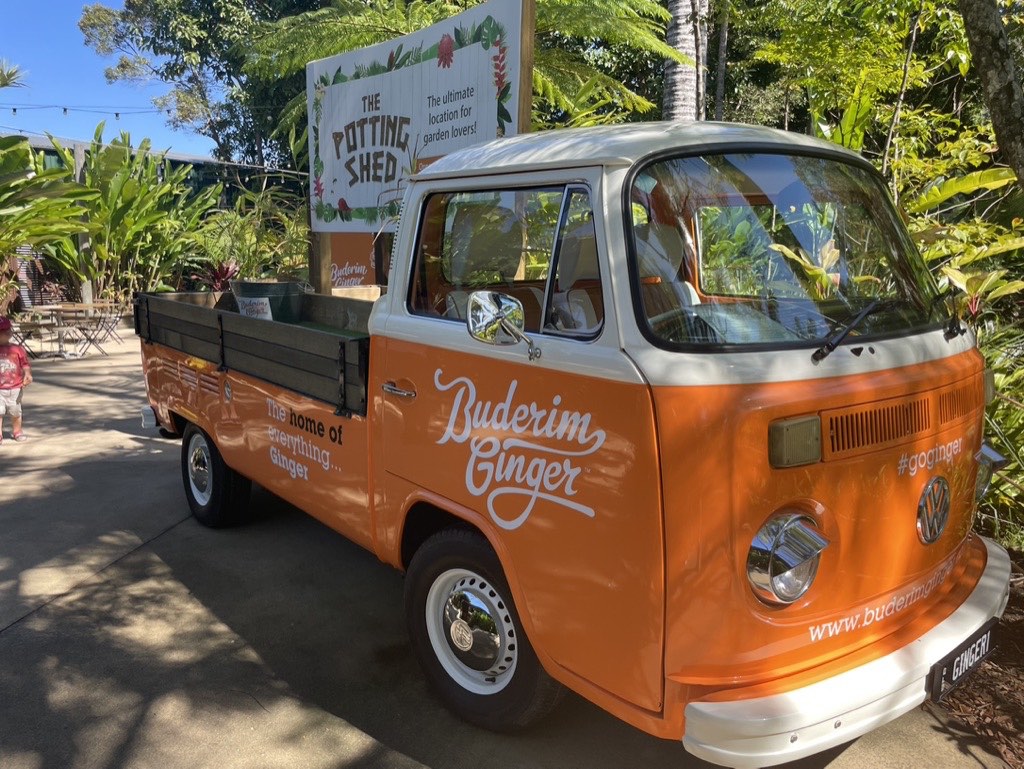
{"points": [[683, 97], [10, 75]]}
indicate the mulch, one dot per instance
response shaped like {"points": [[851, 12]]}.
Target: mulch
{"points": [[991, 701]]}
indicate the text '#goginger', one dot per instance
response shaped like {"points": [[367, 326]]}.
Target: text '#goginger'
{"points": [[511, 451]]}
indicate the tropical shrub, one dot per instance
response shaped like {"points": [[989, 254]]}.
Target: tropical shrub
{"points": [[38, 207], [141, 220], [265, 235]]}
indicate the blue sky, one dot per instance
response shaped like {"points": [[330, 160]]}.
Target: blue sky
{"points": [[42, 38]]}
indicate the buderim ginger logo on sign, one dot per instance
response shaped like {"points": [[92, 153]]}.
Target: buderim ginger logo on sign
{"points": [[520, 450]]}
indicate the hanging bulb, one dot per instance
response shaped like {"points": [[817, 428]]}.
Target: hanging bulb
{"points": [[65, 112], [117, 116], [14, 110]]}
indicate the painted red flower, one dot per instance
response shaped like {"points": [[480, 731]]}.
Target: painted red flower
{"points": [[500, 71], [318, 188], [445, 51]]}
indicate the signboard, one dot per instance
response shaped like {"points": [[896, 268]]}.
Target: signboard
{"points": [[378, 114]]}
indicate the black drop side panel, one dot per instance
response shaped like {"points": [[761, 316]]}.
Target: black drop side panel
{"points": [[330, 367]]}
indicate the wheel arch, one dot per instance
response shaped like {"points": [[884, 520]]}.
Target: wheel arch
{"points": [[178, 423], [425, 519]]}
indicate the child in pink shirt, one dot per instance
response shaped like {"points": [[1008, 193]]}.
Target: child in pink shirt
{"points": [[15, 375]]}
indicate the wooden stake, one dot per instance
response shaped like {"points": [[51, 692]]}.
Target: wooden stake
{"points": [[527, 33]]}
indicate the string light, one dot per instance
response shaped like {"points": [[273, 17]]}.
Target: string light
{"points": [[113, 109]]}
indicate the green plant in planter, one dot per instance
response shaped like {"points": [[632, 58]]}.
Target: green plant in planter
{"points": [[264, 236]]}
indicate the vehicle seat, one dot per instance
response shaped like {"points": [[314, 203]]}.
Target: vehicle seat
{"points": [[487, 254], [578, 300], [663, 269]]}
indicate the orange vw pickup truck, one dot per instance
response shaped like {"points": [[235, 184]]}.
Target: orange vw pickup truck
{"points": [[672, 416]]}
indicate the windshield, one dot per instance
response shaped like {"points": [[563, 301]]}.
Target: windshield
{"points": [[766, 249]]}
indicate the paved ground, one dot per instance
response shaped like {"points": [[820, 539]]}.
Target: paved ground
{"points": [[132, 637]]}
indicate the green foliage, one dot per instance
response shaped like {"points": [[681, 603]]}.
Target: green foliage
{"points": [[10, 75], [38, 207], [1003, 347], [570, 85], [141, 219], [265, 235], [944, 189], [197, 49]]}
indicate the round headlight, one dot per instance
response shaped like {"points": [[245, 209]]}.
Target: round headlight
{"points": [[783, 558]]}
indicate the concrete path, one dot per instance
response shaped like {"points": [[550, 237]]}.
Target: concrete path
{"points": [[130, 636]]}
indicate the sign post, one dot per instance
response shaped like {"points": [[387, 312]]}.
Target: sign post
{"points": [[379, 114]]}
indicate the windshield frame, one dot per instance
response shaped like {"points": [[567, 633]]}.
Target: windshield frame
{"points": [[938, 316]]}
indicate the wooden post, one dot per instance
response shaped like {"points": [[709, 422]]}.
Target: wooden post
{"points": [[527, 33], [84, 243], [320, 262]]}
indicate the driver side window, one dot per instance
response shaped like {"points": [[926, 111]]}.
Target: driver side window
{"points": [[508, 240]]}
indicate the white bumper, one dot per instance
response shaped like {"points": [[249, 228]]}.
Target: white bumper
{"points": [[784, 727]]}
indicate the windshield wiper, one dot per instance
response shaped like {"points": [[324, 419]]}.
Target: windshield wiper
{"points": [[954, 327], [833, 340]]}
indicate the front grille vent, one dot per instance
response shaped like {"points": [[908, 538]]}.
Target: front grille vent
{"points": [[956, 402], [877, 426], [849, 432], [187, 376], [209, 383]]}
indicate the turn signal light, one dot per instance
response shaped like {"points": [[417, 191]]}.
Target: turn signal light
{"points": [[794, 442]]}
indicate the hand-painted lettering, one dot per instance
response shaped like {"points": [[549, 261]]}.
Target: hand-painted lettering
{"points": [[511, 452]]}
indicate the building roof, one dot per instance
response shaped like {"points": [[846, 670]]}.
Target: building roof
{"points": [[615, 146]]}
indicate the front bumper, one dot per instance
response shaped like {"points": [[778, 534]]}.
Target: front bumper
{"points": [[765, 731]]}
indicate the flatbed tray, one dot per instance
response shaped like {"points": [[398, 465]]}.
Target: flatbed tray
{"points": [[324, 356]]}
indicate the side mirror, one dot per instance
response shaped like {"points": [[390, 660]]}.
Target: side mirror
{"points": [[498, 319]]}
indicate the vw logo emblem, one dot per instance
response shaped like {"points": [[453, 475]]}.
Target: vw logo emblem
{"points": [[933, 510]]}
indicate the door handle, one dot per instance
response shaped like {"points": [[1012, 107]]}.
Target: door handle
{"points": [[392, 389]]}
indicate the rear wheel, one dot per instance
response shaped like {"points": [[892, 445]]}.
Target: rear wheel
{"points": [[468, 636], [217, 495]]}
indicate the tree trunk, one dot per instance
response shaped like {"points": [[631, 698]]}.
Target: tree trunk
{"points": [[723, 60], [683, 99], [992, 60]]}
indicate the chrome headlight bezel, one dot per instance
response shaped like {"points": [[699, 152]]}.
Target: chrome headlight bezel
{"points": [[787, 541]]}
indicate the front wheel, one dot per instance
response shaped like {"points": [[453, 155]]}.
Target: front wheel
{"points": [[217, 495], [468, 637]]}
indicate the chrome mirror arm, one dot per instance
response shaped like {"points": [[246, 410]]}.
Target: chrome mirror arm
{"points": [[513, 331]]}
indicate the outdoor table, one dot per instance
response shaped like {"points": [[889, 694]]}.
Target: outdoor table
{"points": [[28, 332], [81, 325], [77, 326]]}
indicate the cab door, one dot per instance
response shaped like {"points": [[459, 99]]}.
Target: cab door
{"points": [[554, 459]]}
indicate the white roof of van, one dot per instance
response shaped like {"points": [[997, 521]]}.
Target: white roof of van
{"points": [[612, 145]]}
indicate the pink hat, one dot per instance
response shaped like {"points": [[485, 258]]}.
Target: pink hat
{"points": [[5, 324]]}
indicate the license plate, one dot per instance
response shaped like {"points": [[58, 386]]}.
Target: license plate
{"points": [[955, 666]]}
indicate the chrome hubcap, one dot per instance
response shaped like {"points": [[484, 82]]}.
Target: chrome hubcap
{"points": [[471, 631], [199, 469]]}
